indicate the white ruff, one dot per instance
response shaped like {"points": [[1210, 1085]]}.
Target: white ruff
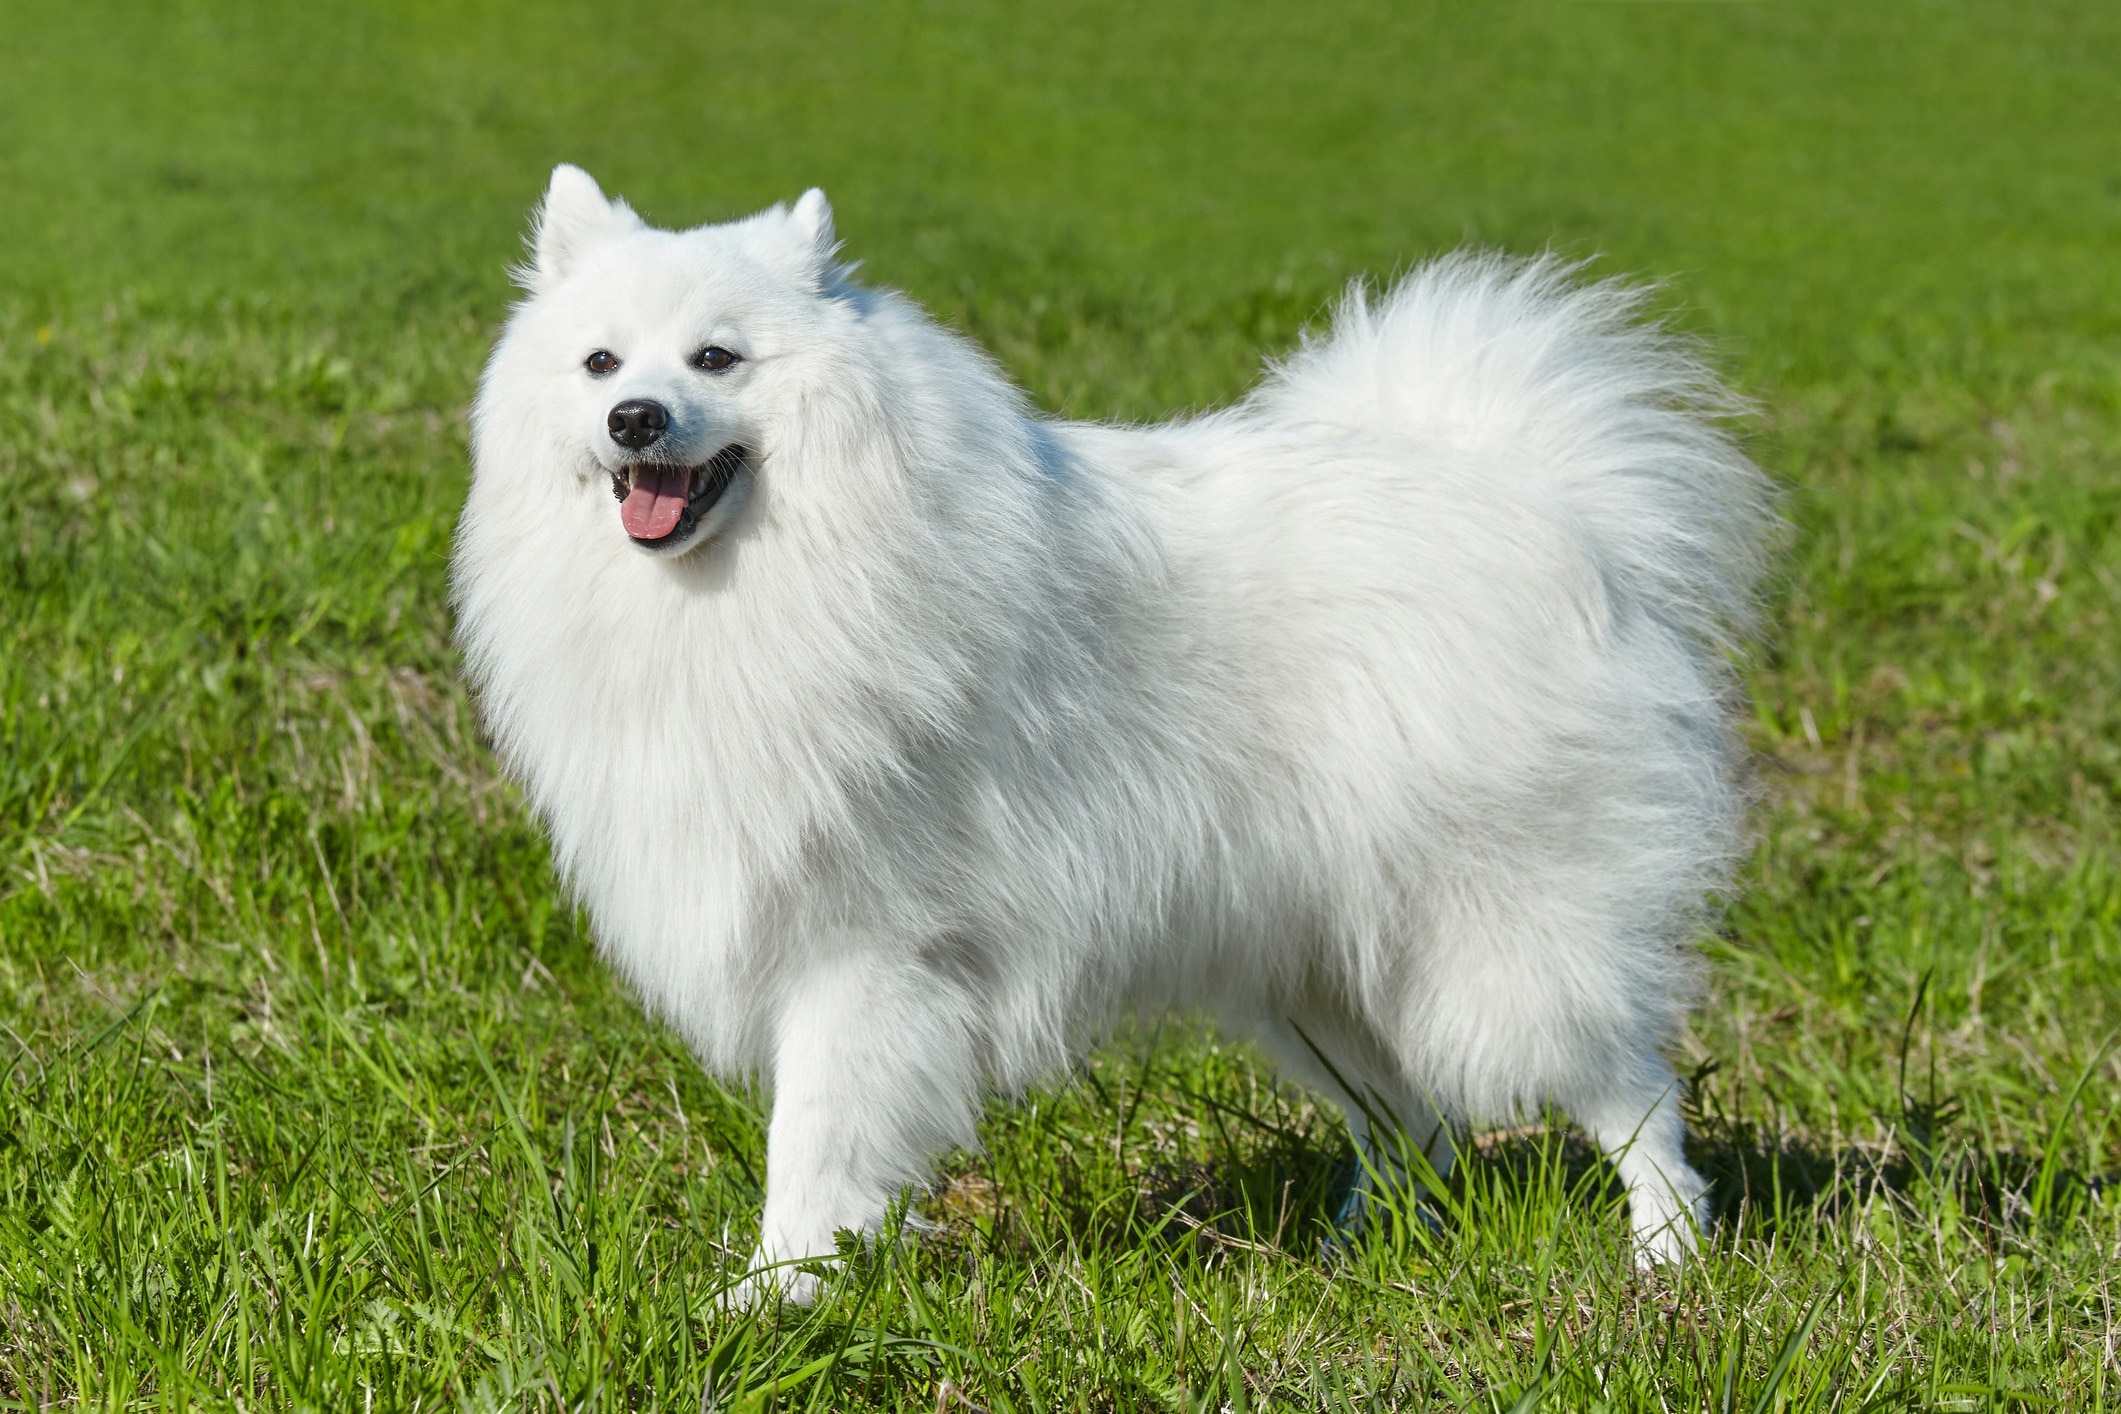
{"points": [[1386, 709]]}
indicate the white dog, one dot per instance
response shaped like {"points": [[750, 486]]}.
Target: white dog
{"points": [[900, 740]]}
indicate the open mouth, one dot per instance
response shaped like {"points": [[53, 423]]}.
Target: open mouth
{"points": [[661, 504]]}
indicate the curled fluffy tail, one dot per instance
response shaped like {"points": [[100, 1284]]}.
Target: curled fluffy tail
{"points": [[1563, 386]]}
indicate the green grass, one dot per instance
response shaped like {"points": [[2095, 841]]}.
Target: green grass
{"points": [[315, 1095]]}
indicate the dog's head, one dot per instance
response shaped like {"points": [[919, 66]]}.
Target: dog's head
{"points": [[652, 361]]}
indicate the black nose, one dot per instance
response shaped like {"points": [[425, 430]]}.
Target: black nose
{"points": [[638, 423]]}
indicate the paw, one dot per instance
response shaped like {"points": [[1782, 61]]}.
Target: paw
{"points": [[1667, 1247], [1361, 1206], [1668, 1234], [768, 1284]]}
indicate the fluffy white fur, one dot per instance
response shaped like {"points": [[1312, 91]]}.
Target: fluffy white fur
{"points": [[1383, 716]]}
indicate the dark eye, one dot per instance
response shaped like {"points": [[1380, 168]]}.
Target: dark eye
{"points": [[601, 362], [715, 359]]}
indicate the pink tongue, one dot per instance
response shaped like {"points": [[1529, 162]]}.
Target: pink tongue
{"points": [[652, 508]]}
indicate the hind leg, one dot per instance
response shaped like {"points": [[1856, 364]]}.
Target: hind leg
{"points": [[1536, 998], [1635, 1120], [1389, 1120], [1384, 1165]]}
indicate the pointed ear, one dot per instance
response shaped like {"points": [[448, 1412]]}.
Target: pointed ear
{"points": [[810, 229], [573, 220], [812, 220]]}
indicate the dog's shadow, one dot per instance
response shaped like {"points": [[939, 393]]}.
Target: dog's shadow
{"points": [[1259, 1182]]}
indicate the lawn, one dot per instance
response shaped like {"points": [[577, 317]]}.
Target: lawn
{"points": [[315, 1093]]}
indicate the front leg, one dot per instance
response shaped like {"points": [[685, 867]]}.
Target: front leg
{"points": [[875, 1075]]}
